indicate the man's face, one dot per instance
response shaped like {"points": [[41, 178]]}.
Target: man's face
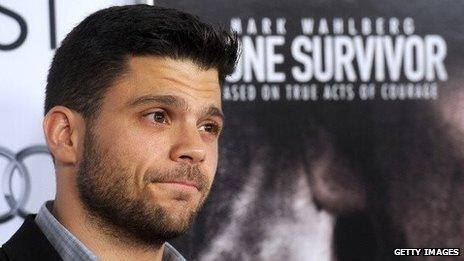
{"points": [[150, 155]]}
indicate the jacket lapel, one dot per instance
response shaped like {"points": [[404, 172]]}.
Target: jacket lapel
{"points": [[29, 243]]}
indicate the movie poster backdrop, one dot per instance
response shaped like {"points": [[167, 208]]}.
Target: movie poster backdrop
{"points": [[344, 131]]}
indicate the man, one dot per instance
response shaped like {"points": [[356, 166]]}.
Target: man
{"points": [[132, 119]]}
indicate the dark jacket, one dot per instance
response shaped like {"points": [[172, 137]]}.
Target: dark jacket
{"points": [[28, 243]]}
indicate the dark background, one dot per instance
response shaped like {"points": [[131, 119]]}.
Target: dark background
{"points": [[396, 167]]}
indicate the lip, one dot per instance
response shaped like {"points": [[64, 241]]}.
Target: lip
{"points": [[182, 183]]}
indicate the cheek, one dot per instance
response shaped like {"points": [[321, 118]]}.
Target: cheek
{"points": [[212, 162], [135, 148]]}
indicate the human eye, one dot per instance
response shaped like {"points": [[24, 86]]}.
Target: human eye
{"points": [[159, 116], [211, 127]]}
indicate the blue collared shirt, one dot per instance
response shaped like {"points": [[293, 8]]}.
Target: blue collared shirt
{"points": [[69, 247]]}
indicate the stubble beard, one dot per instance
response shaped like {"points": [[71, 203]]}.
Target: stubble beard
{"points": [[109, 199]]}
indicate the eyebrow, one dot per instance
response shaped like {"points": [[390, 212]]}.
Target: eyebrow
{"points": [[169, 100], [177, 102], [213, 111]]}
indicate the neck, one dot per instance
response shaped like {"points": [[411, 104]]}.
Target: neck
{"points": [[105, 241]]}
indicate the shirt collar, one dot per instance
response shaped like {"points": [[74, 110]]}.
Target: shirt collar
{"points": [[69, 247]]}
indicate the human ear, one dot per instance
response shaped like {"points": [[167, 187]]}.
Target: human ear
{"points": [[62, 127]]}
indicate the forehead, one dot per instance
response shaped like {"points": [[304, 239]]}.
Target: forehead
{"points": [[151, 75]]}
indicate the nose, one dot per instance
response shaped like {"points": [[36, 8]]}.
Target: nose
{"points": [[188, 147]]}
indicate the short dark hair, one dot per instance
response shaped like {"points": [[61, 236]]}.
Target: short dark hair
{"points": [[96, 51]]}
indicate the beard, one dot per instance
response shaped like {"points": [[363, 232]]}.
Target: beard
{"points": [[109, 196]]}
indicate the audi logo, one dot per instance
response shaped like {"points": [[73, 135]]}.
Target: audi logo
{"points": [[16, 162]]}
